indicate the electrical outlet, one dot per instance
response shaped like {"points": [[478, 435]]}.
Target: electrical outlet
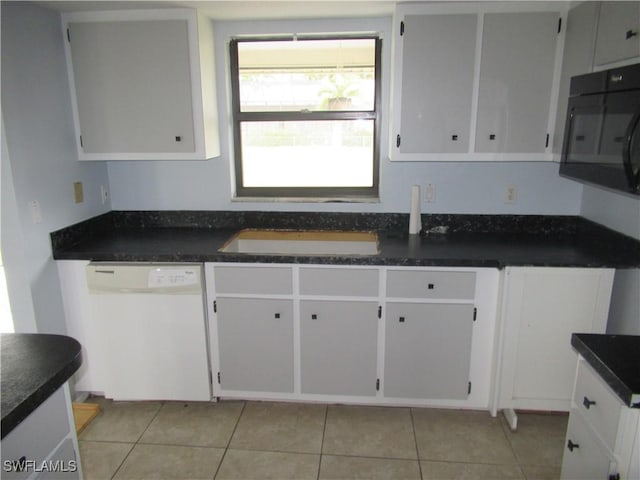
{"points": [[430, 193], [104, 194], [36, 213], [78, 192], [511, 194]]}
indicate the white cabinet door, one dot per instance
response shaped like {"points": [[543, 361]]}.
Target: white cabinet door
{"points": [[542, 308], [438, 58], [584, 457], [338, 345], [427, 350], [516, 80], [111, 62], [255, 341], [139, 85], [618, 35]]}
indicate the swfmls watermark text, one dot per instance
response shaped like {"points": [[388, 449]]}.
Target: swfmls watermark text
{"points": [[51, 466]]}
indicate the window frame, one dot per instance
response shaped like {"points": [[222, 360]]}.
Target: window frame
{"points": [[237, 117]]}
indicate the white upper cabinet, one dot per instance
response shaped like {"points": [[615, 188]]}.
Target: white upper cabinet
{"points": [[475, 82], [142, 84], [516, 80], [579, 40], [618, 35], [438, 119]]}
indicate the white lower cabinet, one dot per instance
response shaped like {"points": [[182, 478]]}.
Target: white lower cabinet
{"points": [[255, 338], [427, 350], [338, 347], [602, 434], [352, 334], [584, 457], [541, 308], [44, 445]]}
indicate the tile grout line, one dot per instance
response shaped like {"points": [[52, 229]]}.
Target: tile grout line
{"points": [[415, 441], [324, 429], [226, 448], [162, 403], [521, 464], [503, 428]]}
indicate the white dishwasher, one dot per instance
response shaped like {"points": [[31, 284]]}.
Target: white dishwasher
{"points": [[151, 332]]}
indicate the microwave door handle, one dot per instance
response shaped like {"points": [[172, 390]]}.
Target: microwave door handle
{"points": [[632, 130]]}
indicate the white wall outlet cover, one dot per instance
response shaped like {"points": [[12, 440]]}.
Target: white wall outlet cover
{"points": [[430, 193], [36, 212], [104, 194], [511, 194]]}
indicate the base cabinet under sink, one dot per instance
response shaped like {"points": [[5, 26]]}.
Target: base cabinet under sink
{"points": [[255, 338], [331, 333], [338, 347]]}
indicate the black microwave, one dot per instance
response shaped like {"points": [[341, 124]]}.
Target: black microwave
{"points": [[602, 138]]}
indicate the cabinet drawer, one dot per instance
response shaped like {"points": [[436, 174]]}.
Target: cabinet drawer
{"points": [[597, 403], [431, 284], [356, 282], [584, 456], [254, 280]]}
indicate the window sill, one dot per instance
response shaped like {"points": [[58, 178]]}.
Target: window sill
{"points": [[306, 199]]}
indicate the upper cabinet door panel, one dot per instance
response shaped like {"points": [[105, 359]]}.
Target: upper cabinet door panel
{"points": [[142, 84], [133, 86], [618, 35], [438, 58], [516, 78]]}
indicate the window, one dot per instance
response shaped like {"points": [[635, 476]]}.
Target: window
{"points": [[306, 116]]}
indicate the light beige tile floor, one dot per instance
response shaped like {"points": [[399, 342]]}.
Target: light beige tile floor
{"points": [[265, 440]]}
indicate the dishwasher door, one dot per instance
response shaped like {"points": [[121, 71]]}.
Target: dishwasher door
{"points": [[150, 324]]}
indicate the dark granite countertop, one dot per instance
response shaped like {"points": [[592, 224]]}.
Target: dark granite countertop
{"points": [[33, 367], [615, 358], [472, 240]]}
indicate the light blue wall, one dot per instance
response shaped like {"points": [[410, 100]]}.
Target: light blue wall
{"points": [[619, 212], [460, 187], [40, 152]]}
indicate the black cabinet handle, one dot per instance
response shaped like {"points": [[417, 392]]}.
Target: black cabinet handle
{"points": [[454, 138], [277, 315], [630, 34], [492, 136], [314, 316], [571, 445], [431, 286], [587, 403], [401, 320]]}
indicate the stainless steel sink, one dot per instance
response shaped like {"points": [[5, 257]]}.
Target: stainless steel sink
{"points": [[302, 242]]}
